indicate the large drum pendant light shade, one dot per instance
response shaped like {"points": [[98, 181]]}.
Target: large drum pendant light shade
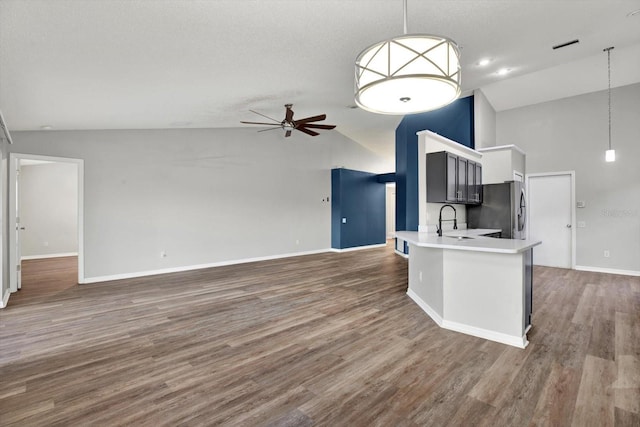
{"points": [[408, 74]]}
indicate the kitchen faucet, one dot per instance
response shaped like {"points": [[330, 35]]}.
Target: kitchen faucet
{"points": [[440, 220]]}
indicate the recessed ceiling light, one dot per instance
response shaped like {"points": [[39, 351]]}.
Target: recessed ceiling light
{"points": [[634, 13], [46, 127], [503, 71], [484, 62]]}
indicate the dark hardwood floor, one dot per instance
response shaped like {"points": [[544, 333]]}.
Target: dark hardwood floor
{"points": [[42, 278], [327, 340]]}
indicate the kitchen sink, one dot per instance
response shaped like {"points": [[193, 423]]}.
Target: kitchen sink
{"points": [[459, 237]]}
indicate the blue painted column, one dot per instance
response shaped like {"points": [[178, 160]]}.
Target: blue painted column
{"points": [[455, 121]]}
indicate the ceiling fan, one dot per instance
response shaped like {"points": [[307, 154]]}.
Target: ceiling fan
{"points": [[288, 124]]}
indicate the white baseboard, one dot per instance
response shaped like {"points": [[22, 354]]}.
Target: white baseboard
{"points": [[5, 298], [515, 341], [97, 279], [607, 270], [402, 254], [358, 248], [59, 255], [425, 307]]}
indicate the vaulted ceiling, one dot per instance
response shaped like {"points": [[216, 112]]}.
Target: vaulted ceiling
{"points": [[132, 64]]}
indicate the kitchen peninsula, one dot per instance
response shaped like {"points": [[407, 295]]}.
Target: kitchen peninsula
{"points": [[473, 284]]}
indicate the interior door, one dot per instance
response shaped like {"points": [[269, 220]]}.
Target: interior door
{"points": [[391, 210], [550, 219], [15, 273]]}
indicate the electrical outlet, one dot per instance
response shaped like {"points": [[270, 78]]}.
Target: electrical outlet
{"points": [[344, 220], [582, 224], [163, 254], [607, 254]]}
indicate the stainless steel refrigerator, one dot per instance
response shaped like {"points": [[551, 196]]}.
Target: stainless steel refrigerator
{"points": [[503, 207]]}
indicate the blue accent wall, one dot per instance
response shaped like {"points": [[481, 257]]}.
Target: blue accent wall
{"points": [[360, 198], [455, 121]]}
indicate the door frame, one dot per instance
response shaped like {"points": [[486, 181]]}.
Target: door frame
{"points": [[572, 177], [14, 159]]}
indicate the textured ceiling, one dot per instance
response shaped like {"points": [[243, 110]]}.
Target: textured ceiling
{"points": [[131, 64]]}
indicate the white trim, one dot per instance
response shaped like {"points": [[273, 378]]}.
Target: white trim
{"points": [[607, 270], [502, 147], [357, 248], [515, 341], [451, 143], [402, 254], [520, 342], [572, 177], [5, 298], [13, 160], [58, 255], [425, 307], [97, 279]]}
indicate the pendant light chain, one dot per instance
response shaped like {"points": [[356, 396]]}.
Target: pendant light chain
{"points": [[405, 16], [609, 90]]}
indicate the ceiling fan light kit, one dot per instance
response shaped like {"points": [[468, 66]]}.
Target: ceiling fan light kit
{"points": [[408, 74]]}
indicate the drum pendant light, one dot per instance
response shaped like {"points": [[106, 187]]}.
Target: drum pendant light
{"points": [[408, 74], [610, 154]]}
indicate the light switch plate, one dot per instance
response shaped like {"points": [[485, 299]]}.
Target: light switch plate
{"points": [[344, 220], [580, 204]]}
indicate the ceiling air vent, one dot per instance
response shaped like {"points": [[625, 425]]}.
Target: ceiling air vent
{"points": [[561, 45], [5, 130]]}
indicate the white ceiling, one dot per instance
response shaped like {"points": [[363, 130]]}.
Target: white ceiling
{"points": [[131, 64]]}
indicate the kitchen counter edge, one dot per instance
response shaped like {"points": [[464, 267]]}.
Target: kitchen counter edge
{"points": [[476, 244]]}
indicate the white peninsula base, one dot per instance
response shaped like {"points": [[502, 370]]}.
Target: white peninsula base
{"points": [[478, 289]]}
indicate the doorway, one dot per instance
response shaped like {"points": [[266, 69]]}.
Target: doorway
{"points": [[40, 222], [391, 209], [551, 218]]}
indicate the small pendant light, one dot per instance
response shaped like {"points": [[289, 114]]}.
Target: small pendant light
{"points": [[610, 154]]}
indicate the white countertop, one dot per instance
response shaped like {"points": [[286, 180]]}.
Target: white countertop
{"points": [[476, 241]]}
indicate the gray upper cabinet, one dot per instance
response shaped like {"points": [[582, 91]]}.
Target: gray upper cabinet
{"points": [[453, 179], [474, 183], [450, 173], [462, 190]]}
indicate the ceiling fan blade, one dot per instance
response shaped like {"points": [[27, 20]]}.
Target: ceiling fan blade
{"points": [[270, 118], [316, 126], [287, 134], [266, 130], [308, 131], [260, 123], [289, 115], [312, 119]]}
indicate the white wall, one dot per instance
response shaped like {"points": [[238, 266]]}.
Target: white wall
{"points": [[49, 209], [572, 134], [201, 195], [484, 121]]}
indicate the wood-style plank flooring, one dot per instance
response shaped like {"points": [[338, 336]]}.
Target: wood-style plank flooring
{"points": [[327, 340]]}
